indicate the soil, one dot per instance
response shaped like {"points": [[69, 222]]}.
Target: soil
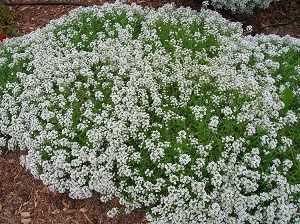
{"points": [[282, 18], [26, 200]]}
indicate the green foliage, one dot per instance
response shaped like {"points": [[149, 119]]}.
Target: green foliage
{"points": [[7, 21], [126, 101]]}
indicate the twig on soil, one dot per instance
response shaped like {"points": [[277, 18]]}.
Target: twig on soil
{"points": [[87, 218]]}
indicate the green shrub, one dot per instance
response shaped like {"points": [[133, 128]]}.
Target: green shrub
{"points": [[241, 6], [7, 22]]}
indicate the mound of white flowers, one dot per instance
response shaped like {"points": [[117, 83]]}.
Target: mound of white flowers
{"points": [[175, 112], [241, 6]]}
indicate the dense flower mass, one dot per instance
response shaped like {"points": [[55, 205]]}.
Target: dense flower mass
{"points": [[173, 111], [241, 6]]}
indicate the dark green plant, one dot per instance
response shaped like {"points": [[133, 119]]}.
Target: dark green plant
{"points": [[7, 21]]}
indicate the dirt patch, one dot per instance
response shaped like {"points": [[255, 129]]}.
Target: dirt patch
{"points": [[24, 199], [282, 18], [31, 17]]}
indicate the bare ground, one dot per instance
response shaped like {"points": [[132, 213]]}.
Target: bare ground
{"points": [[24, 199]]}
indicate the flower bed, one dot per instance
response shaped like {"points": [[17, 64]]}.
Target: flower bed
{"points": [[175, 112], [241, 6]]}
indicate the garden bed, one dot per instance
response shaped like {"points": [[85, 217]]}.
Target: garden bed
{"points": [[26, 200], [91, 211], [281, 18]]}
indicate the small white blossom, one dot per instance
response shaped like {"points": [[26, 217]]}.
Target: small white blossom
{"points": [[213, 123], [184, 159], [112, 213]]}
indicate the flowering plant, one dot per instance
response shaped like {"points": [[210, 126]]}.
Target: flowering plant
{"points": [[173, 111], [241, 6]]}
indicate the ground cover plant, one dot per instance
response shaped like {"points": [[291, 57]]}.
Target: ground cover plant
{"points": [[175, 112], [7, 23], [241, 6]]}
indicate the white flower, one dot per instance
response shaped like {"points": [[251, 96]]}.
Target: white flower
{"points": [[199, 112], [184, 159], [112, 213], [213, 123], [181, 136]]}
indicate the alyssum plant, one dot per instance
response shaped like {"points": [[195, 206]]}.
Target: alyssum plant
{"points": [[241, 6], [173, 111]]}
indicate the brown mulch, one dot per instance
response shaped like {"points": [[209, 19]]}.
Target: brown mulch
{"points": [[282, 18], [29, 18], [26, 200]]}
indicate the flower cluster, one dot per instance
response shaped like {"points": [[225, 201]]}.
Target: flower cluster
{"points": [[241, 6], [173, 111]]}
